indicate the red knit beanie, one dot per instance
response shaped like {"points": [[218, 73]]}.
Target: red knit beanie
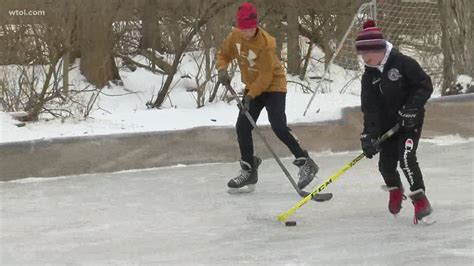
{"points": [[370, 38], [246, 16]]}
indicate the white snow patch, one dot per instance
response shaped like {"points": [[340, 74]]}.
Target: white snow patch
{"points": [[465, 83], [38, 179], [447, 140]]}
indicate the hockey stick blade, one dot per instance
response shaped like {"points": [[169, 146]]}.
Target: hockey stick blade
{"points": [[320, 197]]}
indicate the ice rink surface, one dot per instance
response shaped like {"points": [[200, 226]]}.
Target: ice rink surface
{"points": [[184, 216]]}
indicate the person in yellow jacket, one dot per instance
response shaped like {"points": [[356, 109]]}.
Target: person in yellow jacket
{"points": [[265, 81]]}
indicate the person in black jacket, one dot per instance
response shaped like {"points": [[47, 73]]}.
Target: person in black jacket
{"points": [[394, 90]]}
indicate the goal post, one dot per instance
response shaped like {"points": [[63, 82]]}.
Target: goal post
{"points": [[412, 26]]}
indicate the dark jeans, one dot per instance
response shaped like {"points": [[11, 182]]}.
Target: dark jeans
{"points": [[401, 147], [274, 102]]}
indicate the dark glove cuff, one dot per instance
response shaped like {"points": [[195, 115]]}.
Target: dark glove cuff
{"points": [[368, 136]]}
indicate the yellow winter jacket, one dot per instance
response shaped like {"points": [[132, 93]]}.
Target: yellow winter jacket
{"points": [[259, 65]]}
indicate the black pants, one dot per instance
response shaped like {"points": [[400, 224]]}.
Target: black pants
{"points": [[274, 102], [401, 147]]}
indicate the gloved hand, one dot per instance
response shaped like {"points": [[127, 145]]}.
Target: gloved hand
{"points": [[223, 77], [246, 103], [368, 145], [408, 118]]}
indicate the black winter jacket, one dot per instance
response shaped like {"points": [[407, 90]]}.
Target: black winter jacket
{"points": [[402, 83]]}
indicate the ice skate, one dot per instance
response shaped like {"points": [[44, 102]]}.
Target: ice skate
{"points": [[246, 180], [422, 206], [308, 169]]}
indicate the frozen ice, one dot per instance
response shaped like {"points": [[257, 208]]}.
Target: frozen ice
{"points": [[183, 215]]}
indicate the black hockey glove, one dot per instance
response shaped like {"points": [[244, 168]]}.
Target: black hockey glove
{"points": [[223, 77], [245, 103], [408, 118], [368, 145]]}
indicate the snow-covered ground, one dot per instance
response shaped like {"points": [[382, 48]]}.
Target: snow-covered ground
{"points": [[183, 216], [140, 119], [122, 109]]}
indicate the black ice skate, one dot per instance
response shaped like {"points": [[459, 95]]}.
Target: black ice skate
{"points": [[308, 169], [245, 182]]}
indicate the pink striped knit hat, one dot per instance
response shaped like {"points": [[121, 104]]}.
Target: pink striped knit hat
{"points": [[370, 38]]}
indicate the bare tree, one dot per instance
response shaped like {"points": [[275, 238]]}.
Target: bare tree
{"points": [[271, 19], [324, 22], [151, 30], [293, 42], [201, 79], [206, 13], [457, 41]]}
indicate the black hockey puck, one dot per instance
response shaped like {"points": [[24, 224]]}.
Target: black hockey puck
{"points": [[290, 223]]}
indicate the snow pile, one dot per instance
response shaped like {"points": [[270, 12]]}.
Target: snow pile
{"points": [[7, 126], [464, 84]]}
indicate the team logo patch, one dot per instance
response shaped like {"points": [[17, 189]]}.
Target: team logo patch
{"points": [[251, 58], [409, 144], [394, 74]]}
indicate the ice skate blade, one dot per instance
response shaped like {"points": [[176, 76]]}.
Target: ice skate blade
{"points": [[428, 220], [244, 189]]}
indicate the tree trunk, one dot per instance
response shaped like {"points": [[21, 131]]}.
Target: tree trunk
{"points": [[307, 58], [96, 40], [272, 22], [150, 28], [457, 41], [293, 44], [207, 46]]}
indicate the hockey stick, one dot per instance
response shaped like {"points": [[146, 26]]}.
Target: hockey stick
{"points": [[284, 216], [302, 193]]}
